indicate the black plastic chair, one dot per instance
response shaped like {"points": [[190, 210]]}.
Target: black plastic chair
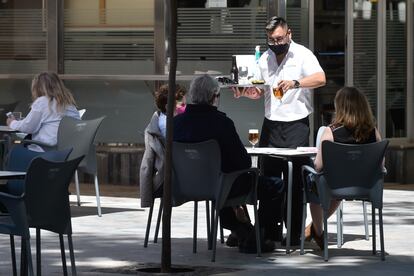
{"points": [[350, 172], [19, 160], [14, 223], [197, 176], [44, 205], [79, 135], [47, 203], [339, 211]]}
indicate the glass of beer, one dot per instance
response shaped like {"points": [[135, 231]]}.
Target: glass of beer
{"points": [[278, 92], [253, 137]]}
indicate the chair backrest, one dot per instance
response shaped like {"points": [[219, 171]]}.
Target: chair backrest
{"points": [[19, 160], [47, 196], [196, 171], [80, 135], [81, 112], [319, 136], [4, 109], [354, 171]]}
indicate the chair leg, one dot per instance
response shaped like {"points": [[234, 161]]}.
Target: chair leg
{"points": [[212, 215], [157, 226], [72, 255], [374, 239], [77, 187], [23, 257], [208, 224], [257, 226], [221, 234], [13, 255], [98, 199], [28, 256], [62, 254], [364, 208], [195, 227], [302, 238], [339, 226], [147, 231], [381, 226], [325, 235], [342, 222], [38, 253], [214, 224]]}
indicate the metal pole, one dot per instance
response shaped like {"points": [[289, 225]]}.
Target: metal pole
{"points": [[410, 70], [349, 43], [381, 63]]}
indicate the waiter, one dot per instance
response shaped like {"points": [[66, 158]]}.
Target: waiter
{"points": [[291, 71]]}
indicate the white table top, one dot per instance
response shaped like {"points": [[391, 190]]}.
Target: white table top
{"points": [[300, 151]]}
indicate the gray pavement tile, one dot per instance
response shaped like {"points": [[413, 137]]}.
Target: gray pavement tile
{"points": [[113, 244]]}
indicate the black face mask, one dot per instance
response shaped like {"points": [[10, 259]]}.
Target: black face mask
{"points": [[279, 49]]}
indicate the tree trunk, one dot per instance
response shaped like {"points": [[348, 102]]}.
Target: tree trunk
{"points": [[166, 217]]}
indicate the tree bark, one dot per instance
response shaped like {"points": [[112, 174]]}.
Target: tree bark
{"points": [[166, 217]]}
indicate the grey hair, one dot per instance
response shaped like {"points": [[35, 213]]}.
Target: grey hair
{"points": [[202, 90]]}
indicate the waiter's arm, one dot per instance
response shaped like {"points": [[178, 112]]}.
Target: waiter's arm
{"points": [[313, 81]]}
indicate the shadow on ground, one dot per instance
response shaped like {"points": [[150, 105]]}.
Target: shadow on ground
{"points": [[81, 211]]}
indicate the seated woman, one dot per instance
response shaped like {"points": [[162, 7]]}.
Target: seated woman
{"points": [[51, 102], [353, 124], [152, 165]]}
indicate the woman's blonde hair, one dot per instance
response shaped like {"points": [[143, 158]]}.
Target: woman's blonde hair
{"points": [[50, 85], [353, 112]]}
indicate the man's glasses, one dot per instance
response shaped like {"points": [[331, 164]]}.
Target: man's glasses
{"points": [[277, 40]]}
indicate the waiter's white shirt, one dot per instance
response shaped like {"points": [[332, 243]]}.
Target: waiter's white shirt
{"points": [[296, 104], [43, 121]]}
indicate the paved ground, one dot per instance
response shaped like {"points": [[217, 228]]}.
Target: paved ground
{"points": [[113, 244]]}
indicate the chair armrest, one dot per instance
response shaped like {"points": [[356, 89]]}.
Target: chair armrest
{"points": [[45, 146], [10, 201], [384, 170], [309, 169], [227, 182], [16, 208]]}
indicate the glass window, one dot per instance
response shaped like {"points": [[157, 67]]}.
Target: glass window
{"points": [[365, 50], [23, 37], [396, 69], [109, 37]]}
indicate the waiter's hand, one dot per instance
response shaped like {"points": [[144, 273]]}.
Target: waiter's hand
{"points": [[237, 91], [249, 92], [9, 120], [286, 84]]}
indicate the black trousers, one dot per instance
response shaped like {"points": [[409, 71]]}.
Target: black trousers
{"points": [[269, 193], [287, 135]]}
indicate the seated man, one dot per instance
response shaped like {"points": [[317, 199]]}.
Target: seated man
{"points": [[202, 121]]}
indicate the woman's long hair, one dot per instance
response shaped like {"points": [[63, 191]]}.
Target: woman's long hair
{"points": [[50, 85], [354, 113]]}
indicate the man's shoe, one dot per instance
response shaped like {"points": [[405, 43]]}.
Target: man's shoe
{"points": [[232, 240], [250, 247], [319, 240], [273, 233], [293, 241]]}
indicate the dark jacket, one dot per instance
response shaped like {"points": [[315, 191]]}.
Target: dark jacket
{"points": [[204, 122]]}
